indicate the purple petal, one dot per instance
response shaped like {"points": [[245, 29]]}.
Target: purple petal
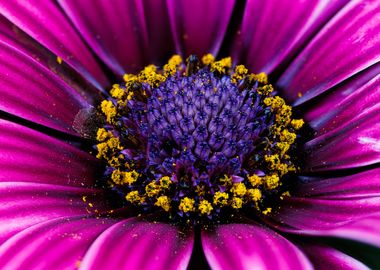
{"points": [[267, 38], [20, 41], [30, 156], [119, 38], [361, 185], [161, 44], [134, 244], [31, 91], [349, 43], [351, 137], [326, 258], [248, 246], [55, 244], [46, 23], [355, 105], [347, 207], [199, 26], [319, 114], [308, 214], [25, 204]]}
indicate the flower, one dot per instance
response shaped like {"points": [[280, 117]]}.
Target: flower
{"points": [[59, 59]]}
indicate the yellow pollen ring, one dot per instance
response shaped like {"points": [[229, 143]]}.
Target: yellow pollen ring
{"points": [[228, 193]]}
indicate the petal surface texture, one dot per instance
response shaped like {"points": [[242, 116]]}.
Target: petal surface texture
{"points": [[56, 244], [326, 258], [46, 23], [134, 244], [119, 38], [31, 91], [348, 135], [199, 26], [247, 246], [30, 156], [27, 204], [347, 207], [267, 39], [348, 44]]}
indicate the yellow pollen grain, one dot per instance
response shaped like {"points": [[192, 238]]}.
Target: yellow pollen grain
{"points": [[133, 197], [186, 205], [205, 207], [297, 123], [267, 211], [273, 160], [265, 90], [200, 190], [287, 136], [124, 178], [220, 198], [152, 189], [208, 59], [171, 67], [272, 181], [255, 180], [114, 144], [130, 177], [275, 102], [117, 92], [102, 134], [240, 72], [262, 77], [237, 203], [222, 65], [115, 161], [150, 76], [226, 180], [102, 150], [116, 177], [163, 202], [254, 194], [59, 60], [283, 147], [130, 79], [109, 110], [165, 182], [239, 189], [284, 195]]}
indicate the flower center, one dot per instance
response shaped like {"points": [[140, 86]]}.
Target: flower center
{"points": [[197, 140]]}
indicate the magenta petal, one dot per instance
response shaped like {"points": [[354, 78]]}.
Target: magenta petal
{"points": [[353, 137], [354, 106], [361, 185], [347, 207], [46, 23], [326, 258], [20, 41], [199, 25], [324, 214], [349, 43], [31, 91], [30, 156], [25, 204], [56, 244], [321, 114], [161, 44], [134, 244], [119, 38], [247, 246], [268, 37]]}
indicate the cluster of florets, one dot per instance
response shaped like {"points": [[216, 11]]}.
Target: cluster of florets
{"points": [[194, 139]]}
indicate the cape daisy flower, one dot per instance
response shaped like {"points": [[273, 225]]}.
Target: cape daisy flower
{"points": [[256, 146]]}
